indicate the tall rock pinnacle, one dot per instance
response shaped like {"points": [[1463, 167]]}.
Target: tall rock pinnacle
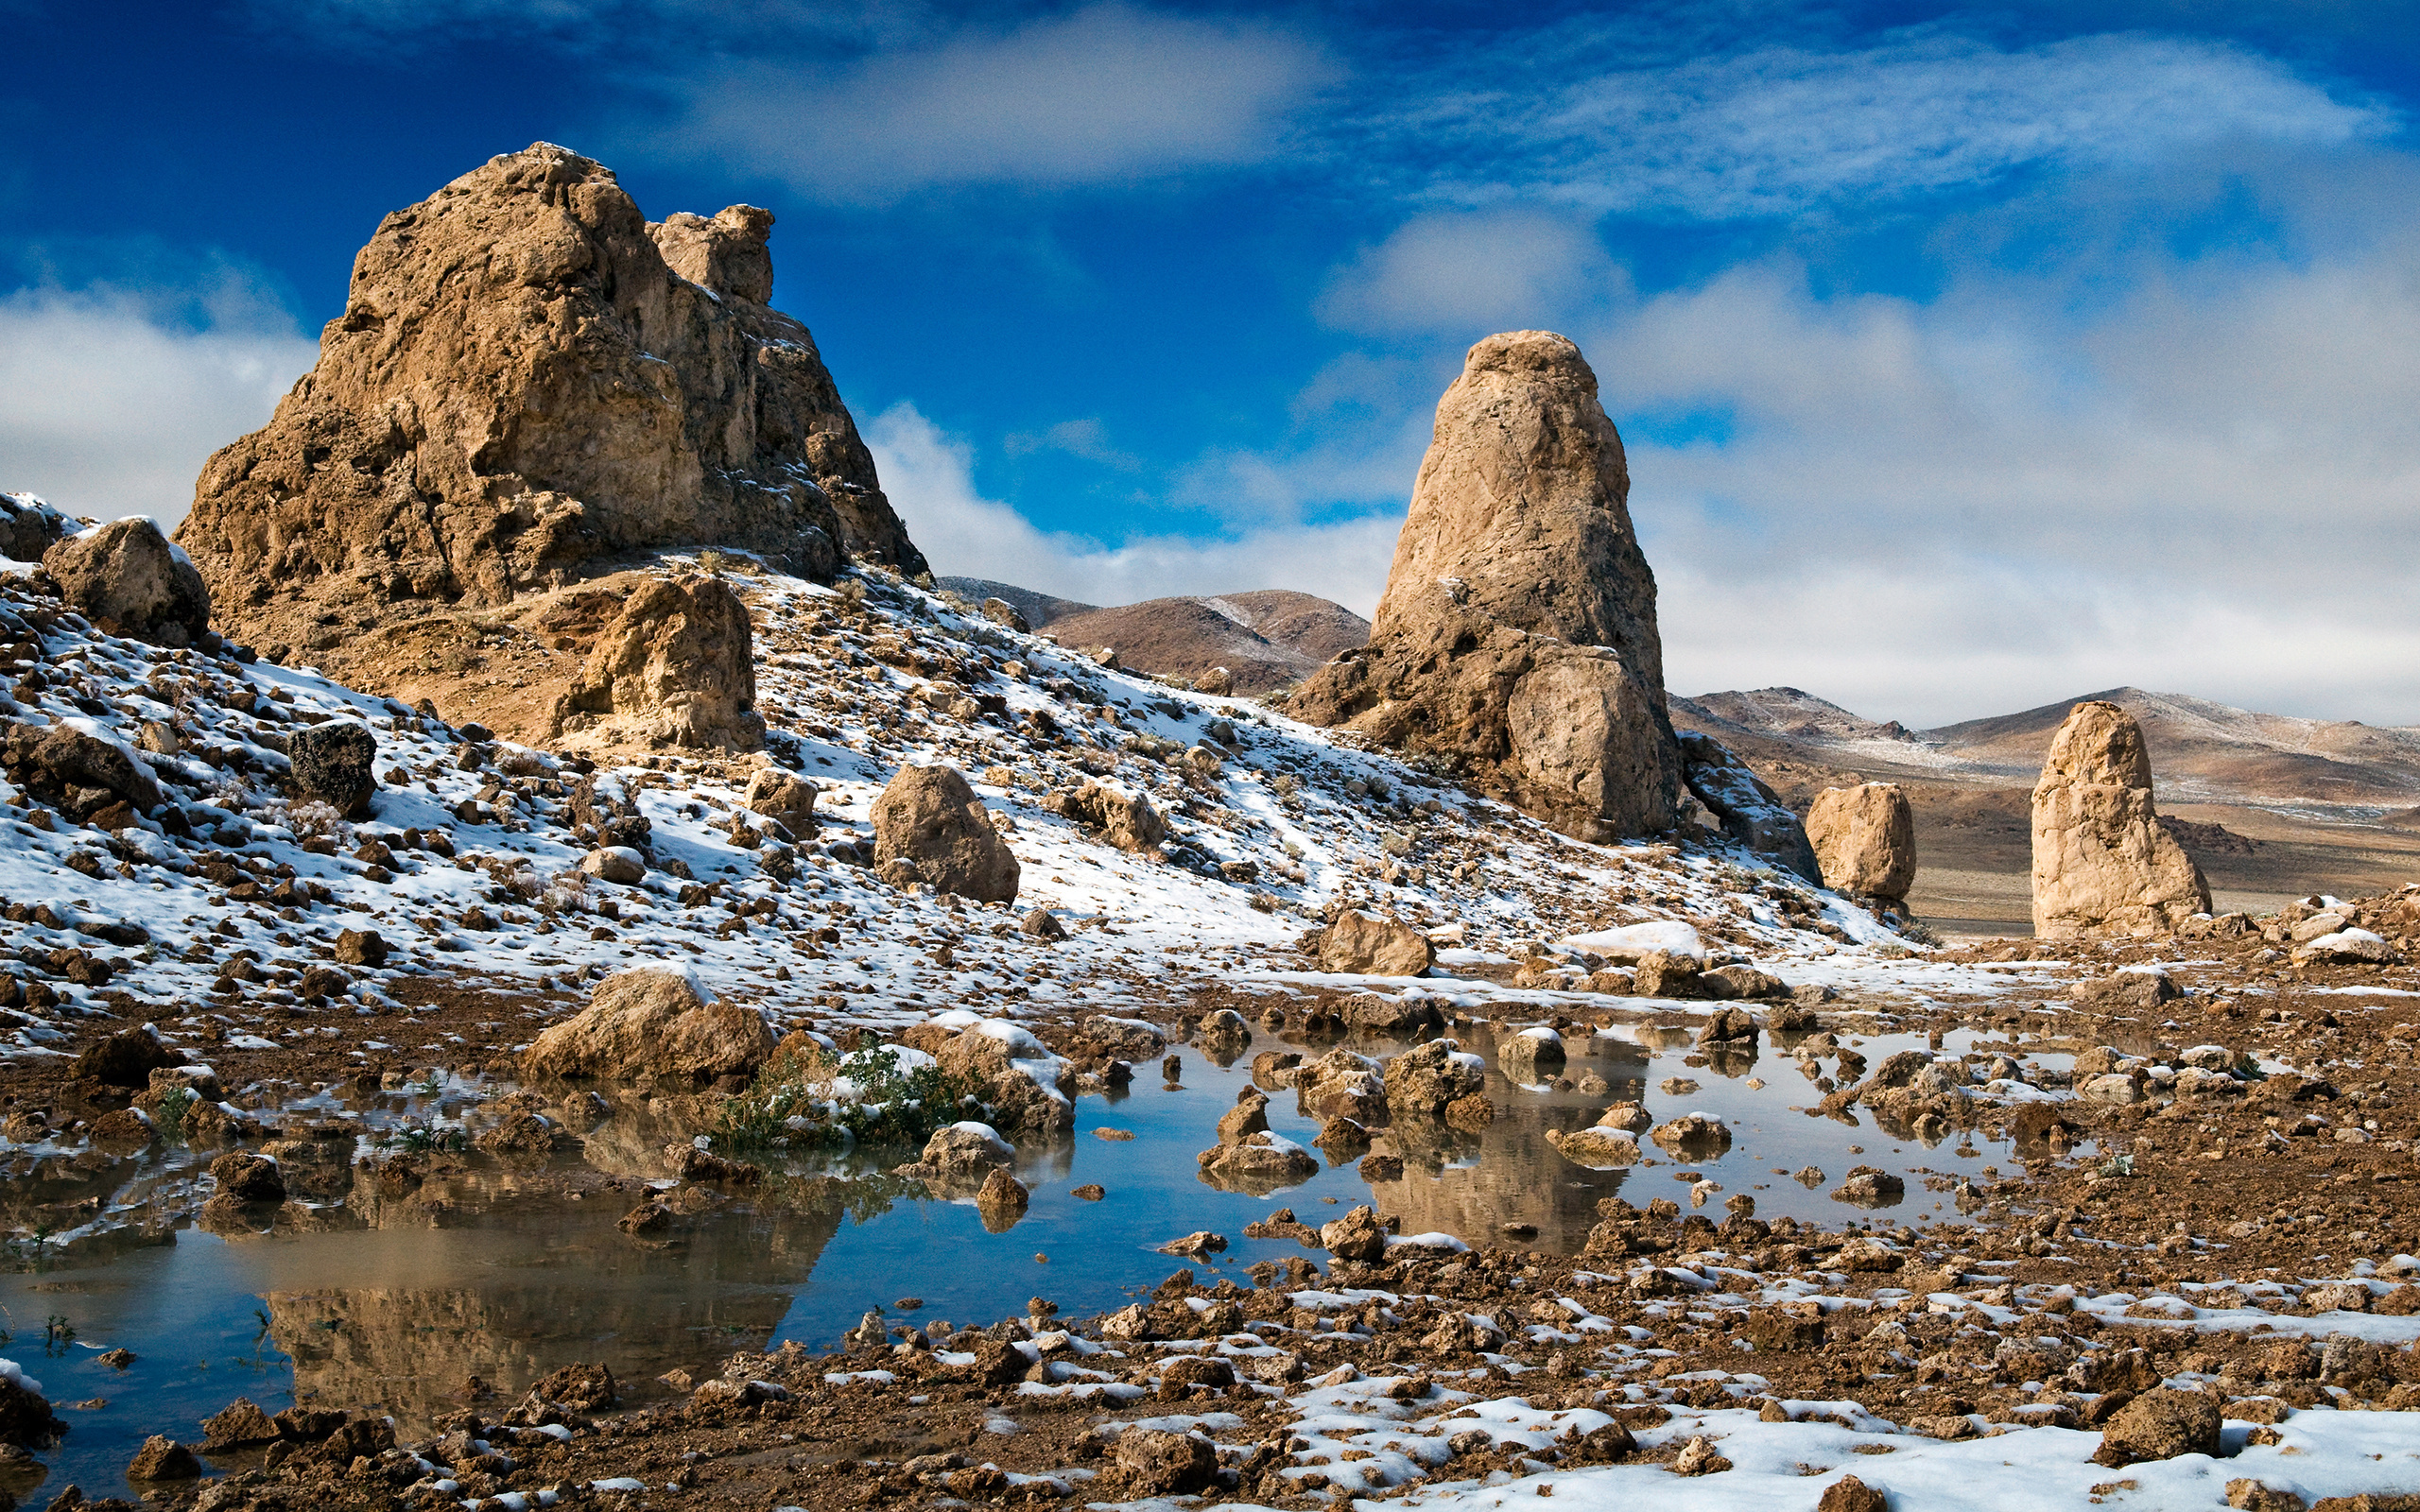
{"points": [[1517, 637], [529, 380]]}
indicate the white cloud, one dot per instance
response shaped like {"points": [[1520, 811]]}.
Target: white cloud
{"points": [[929, 478], [110, 402], [1471, 273], [1766, 131], [1108, 94]]}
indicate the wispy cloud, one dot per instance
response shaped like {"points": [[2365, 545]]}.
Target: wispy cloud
{"points": [[1475, 272], [112, 395], [1772, 129], [930, 478], [1107, 95]]}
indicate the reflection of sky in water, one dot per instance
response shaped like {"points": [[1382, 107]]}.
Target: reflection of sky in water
{"points": [[513, 1280]]}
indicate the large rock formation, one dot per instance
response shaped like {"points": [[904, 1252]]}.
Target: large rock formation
{"points": [[2103, 863], [676, 667], [929, 817], [530, 377], [1865, 839], [1518, 636]]}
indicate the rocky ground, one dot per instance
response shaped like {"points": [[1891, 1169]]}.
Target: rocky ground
{"points": [[2227, 1273]]}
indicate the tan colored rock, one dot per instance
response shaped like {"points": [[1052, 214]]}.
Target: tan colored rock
{"points": [[785, 797], [125, 573], [1865, 839], [652, 1024], [1125, 819], [2103, 863], [1366, 945], [930, 817], [1517, 634], [676, 667], [529, 378]]}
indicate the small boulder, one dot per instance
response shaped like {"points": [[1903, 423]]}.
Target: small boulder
{"points": [[1001, 1202], [1598, 1148], [2161, 1423], [1004, 615], [1223, 1034], [785, 798], [126, 1059], [361, 947], [1423, 1082], [1357, 1235], [652, 1023], [1663, 975], [1749, 811], [1041, 923], [333, 762], [126, 572], [930, 817], [161, 1458], [1260, 1164], [620, 863], [1729, 1028], [1532, 1057], [60, 759], [967, 1151], [1849, 1494], [1159, 1463], [1126, 820], [1244, 1120], [581, 1387], [1363, 944], [249, 1178], [240, 1421], [1693, 1134]]}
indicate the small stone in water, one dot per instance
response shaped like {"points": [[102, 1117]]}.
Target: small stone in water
{"points": [[1089, 1191]]}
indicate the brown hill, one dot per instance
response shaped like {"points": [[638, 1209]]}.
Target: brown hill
{"points": [[1268, 637], [1038, 608], [1315, 627]]}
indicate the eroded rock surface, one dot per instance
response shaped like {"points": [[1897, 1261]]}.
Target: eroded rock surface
{"points": [[930, 817], [1517, 633], [528, 377], [674, 667], [126, 574], [1865, 839], [652, 1023], [2103, 863]]}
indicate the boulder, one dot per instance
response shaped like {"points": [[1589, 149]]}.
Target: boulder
{"points": [[2102, 862], [1731, 1027], [1357, 1235], [1126, 820], [161, 1458], [528, 379], [60, 760], [1864, 839], [785, 798], [1223, 1034], [674, 667], [581, 1387], [1361, 944], [1749, 811], [1743, 982], [1249, 1116], [1423, 1082], [616, 863], [2346, 946], [1517, 637], [249, 1178], [1025, 1088], [652, 1024], [126, 573], [1532, 1057], [240, 1421], [928, 816], [2161, 1423], [1693, 1135], [29, 527], [1342, 1084], [1159, 1463], [1002, 1201], [1662, 974], [335, 764], [361, 947], [126, 1059], [1259, 1163], [1598, 1148], [26, 1419], [1004, 615], [967, 1151], [1396, 1018]]}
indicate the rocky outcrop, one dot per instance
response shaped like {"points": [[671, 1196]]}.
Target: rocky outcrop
{"points": [[1865, 839], [652, 1024], [676, 667], [1363, 944], [29, 527], [931, 819], [83, 774], [1749, 811], [529, 378], [1517, 637], [1125, 819], [126, 574], [785, 797], [2103, 866]]}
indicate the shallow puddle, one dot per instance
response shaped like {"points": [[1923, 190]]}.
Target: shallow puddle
{"points": [[505, 1271]]}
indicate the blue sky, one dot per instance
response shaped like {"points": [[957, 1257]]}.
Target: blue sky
{"points": [[1968, 357]]}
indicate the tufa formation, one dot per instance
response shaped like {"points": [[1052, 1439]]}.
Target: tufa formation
{"points": [[2102, 862], [529, 380], [1517, 637], [1865, 841]]}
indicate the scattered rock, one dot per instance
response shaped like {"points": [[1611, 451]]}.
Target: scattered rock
{"points": [[249, 1178], [1001, 1202], [619, 863], [581, 1387], [1693, 1134], [161, 1458], [1421, 1082], [1750, 812], [1358, 1235], [785, 798], [126, 1059], [335, 764], [1260, 1164], [1041, 923], [2160, 1424], [240, 1421], [1126, 820], [361, 947], [966, 1152], [930, 817], [1158, 1463], [1532, 1057], [1599, 1148]]}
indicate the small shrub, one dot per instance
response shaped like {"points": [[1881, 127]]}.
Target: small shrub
{"points": [[802, 1099]]}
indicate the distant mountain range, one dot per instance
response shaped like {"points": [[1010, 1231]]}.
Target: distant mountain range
{"points": [[1268, 639]]}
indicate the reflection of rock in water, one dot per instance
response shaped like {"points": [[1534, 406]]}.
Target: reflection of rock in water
{"points": [[1517, 1177], [507, 1276]]}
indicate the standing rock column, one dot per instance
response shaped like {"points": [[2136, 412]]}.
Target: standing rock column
{"points": [[1865, 839], [2101, 863], [1517, 634], [676, 666]]}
